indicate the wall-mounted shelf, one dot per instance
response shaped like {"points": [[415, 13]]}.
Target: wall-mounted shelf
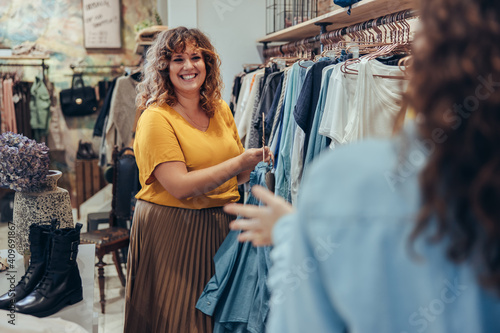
{"points": [[146, 36], [361, 12]]}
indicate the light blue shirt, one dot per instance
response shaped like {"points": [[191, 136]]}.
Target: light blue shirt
{"points": [[342, 264], [295, 79], [317, 142]]}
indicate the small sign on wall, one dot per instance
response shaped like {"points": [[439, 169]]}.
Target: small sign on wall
{"points": [[101, 24]]}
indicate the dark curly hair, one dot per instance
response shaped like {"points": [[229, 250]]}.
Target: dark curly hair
{"points": [[157, 87], [454, 87]]}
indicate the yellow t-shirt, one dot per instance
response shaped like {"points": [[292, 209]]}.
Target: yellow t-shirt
{"points": [[164, 135]]}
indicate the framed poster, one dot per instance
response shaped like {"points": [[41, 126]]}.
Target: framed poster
{"points": [[101, 24]]}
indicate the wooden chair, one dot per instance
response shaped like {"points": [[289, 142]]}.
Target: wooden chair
{"points": [[116, 237]]}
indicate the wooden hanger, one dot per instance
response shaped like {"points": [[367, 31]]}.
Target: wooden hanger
{"points": [[398, 45]]}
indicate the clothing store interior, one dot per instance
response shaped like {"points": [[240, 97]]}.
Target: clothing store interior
{"points": [[230, 166]]}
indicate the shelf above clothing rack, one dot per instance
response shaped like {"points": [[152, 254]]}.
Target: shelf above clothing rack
{"points": [[361, 11]]}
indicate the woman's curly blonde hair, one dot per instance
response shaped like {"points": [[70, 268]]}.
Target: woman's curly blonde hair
{"points": [[157, 87]]}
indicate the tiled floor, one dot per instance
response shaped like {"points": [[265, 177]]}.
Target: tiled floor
{"points": [[112, 320]]}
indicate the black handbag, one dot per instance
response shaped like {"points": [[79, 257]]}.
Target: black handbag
{"points": [[78, 100]]}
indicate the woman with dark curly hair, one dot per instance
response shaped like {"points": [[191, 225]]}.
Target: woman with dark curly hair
{"points": [[190, 162], [402, 235]]}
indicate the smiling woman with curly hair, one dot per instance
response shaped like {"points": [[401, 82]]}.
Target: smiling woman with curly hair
{"points": [[190, 162], [157, 86]]}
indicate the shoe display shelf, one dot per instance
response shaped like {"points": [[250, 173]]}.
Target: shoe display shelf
{"points": [[89, 180]]}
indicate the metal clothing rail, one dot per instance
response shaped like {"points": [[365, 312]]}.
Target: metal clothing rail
{"points": [[73, 67], [21, 58], [24, 65], [312, 42]]}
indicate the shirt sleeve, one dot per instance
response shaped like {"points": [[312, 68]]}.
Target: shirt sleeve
{"points": [[155, 143], [299, 295]]}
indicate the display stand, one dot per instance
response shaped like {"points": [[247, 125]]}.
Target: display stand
{"points": [[89, 180], [81, 313]]}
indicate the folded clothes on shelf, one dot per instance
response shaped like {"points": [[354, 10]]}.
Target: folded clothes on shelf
{"points": [[30, 49]]}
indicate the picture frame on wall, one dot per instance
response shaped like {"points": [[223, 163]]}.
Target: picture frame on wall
{"points": [[102, 24]]}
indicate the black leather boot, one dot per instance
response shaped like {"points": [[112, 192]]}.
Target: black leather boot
{"points": [[82, 153], [39, 238], [90, 151], [61, 284]]}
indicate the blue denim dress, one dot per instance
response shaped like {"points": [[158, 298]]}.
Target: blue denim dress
{"points": [[237, 296]]}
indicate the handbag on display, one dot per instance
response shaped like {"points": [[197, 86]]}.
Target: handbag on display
{"points": [[78, 100], [346, 3]]}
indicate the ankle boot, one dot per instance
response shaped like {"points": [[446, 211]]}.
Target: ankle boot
{"points": [[61, 284], [82, 153], [90, 150], [39, 238]]}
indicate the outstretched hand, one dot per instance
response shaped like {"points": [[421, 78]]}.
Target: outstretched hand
{"points": [[258, 225]]}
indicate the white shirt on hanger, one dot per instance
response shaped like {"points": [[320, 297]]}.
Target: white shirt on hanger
{"points": [[243, 122], [243, 97], [338, 105], [376, 103]]}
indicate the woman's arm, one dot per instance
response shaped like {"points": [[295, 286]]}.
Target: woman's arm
{"points": [[175, 178], [244, 177]]}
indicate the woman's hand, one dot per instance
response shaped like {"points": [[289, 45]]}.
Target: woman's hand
{"points": [[260, 221], [251, 157]]}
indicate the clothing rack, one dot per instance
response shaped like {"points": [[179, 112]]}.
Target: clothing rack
{"points": [[82, 69], [73, 67], [249, 67], [21, 58], [324, 36]]}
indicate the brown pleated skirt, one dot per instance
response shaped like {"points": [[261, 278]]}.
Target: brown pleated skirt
{"points": [[170, 260]]}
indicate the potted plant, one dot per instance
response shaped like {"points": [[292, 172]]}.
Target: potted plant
{"points": [[24, 168], [24, 163]]}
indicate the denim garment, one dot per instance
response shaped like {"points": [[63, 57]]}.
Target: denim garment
{"points": [[341, 263], [272, 111], [99, 126], [277, 137], [237, 296], [283, 165], [264, 105], [318, 142], [303, 114], [308, 98]]}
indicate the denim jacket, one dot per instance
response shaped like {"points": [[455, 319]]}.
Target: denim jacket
{"points": [[237, 296], [342, 262]]}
